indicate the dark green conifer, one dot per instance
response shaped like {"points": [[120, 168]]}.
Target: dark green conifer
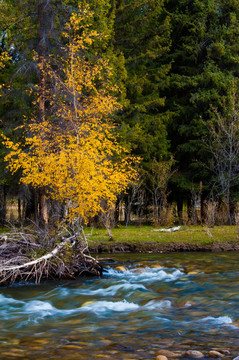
{"points": [[205, 62]]}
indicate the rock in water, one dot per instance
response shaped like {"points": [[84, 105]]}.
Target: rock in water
{"points": [[222, 351], [169, 354], [194, 354], [87, 303], [193, 273], [215, 354], [156, 266], [120, 268], [161, 357]]}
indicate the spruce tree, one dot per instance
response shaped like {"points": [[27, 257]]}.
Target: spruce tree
{"points": [[142, 35], [205, 58]]}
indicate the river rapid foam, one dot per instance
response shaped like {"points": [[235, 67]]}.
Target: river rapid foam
{"points": [[146, 304]]}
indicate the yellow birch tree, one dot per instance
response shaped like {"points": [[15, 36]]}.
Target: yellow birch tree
{"points": [[73, 153]]}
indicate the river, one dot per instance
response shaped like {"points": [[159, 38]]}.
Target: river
{"points": [[177, 301]]}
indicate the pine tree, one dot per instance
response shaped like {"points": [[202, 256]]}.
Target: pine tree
{"points": [[142, 34], [204, 55]]}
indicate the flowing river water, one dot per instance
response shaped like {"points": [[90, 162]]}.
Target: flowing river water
{"points": [[190, 302]]}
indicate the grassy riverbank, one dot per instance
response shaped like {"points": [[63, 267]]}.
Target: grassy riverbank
{"points": [[148, 239], [36, 254]]}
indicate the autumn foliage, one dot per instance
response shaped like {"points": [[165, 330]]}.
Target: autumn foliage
{"points": [[72, 151]]}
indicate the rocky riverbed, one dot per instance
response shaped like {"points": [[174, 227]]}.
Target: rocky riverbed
{"points": [[148, 306]]}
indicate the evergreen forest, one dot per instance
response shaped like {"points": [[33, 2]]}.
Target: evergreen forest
{"points": [[119, 110]]}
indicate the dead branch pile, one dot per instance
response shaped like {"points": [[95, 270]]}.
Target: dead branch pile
{"points": [[41, 254]]}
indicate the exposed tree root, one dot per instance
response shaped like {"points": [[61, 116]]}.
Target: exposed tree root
{"points": [[37, 255]]}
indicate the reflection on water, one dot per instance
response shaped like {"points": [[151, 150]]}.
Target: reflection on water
{"points": [[172, 301]]}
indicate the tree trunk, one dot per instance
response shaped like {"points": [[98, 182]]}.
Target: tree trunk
{"points": [[227, 204], [44, 29], [192, 208], [116, 213], [180, 210], [233, 211], [3, 204], [45, 21], [30, 211], [43, 212], [127, 209], [203, 207], [19, 210]]}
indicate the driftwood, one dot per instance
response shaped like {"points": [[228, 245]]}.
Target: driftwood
{"points": [[36, 255], [170, 229]]}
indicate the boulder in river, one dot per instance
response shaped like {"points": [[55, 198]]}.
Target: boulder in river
{"points": [[215, 354], [121, 268], [156, 266], [195, 354], [161, 357], [193, 272], [169, 354], [183, 304], [223, 351], [87, 303], [139, 271]]}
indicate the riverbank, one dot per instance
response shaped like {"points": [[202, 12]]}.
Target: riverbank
{"points": [[29, 254], [150, 240]]}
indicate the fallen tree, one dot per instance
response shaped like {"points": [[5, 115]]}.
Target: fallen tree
{"points": [[33, 255]]}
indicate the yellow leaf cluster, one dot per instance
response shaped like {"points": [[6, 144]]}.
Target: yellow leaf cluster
{"points": [[3, 59], [78, 170]]}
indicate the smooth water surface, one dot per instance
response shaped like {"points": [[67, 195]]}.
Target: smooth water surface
{"points": [[190, 302]]}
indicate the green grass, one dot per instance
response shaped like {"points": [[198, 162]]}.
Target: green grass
{"points": [[187, 234], [4, 230], [145, 236]]}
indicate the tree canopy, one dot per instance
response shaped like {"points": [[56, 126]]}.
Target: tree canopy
{"points": [[90, 79]]}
